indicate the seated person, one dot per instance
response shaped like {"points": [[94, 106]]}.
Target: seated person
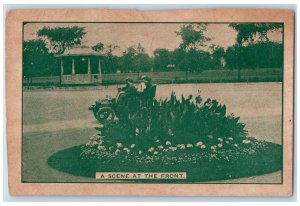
{"points": [[129, 87], [146, 88]]}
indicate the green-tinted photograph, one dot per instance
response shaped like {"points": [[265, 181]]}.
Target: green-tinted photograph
{"points": [[152, 102]]}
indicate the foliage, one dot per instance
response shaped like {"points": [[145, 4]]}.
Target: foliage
{"points": [[181, 121], [192, 60], [192, 36], [247, 32], [172, 134], [162, 59], [109, 61], [135, 59], [167, 153], [62, 38], [99, 47], [254, 158], [252, 50], [259, 55], [218, 53], [36, 59]]}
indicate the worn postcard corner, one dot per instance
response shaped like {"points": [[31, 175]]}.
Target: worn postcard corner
{"points": [[161, 103]]}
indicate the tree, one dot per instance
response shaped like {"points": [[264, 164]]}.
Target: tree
{"points": [[62, 38], [191, 55], [36, 59], [258, 55], [192, 36], [218, 53], [162, 58], [99, 47], [248, 33], [135, 59], [110, 61]]}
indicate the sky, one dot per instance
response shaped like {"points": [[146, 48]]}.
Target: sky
{"points": [[150, 35]]}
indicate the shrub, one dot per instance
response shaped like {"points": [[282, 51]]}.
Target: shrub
{"points": [[181, 121], [174, 134]]}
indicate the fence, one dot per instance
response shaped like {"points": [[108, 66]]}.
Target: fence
{"points": [[247, 75]]}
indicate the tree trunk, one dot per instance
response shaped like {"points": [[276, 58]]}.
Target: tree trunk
{"points": [[239, 74]]}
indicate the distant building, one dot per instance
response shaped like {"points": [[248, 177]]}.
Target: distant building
{"points": [[80, 65]]}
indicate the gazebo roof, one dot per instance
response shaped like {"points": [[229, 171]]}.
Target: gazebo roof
{"points": [[79, 51]]}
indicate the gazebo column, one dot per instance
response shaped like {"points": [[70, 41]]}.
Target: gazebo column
{"points": [[89, 66], [73, 67], [89, 70], [99, 67], [61, 67]]}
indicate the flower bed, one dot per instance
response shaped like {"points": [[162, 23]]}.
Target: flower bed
{"points": [[201, 164], [174, 135]]}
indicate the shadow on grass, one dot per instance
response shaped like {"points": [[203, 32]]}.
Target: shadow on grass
{"points": [[267, 161]]}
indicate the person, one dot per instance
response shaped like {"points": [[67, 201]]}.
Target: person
{"points": [[146, 83], [147, 90], [126, 101], [129, 88]]}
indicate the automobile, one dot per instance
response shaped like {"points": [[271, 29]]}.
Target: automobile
{"points": [[109, 109]]}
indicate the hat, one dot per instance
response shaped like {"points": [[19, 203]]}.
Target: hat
{"points": [[145, 78], [129, 80]]}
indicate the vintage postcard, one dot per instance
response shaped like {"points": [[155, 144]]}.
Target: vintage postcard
{"points": [[161, 103]]}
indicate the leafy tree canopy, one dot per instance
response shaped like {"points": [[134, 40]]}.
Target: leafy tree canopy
{"points": [[99, 47], [247, 32], [135, 59], [62, 38], [192, 36], [36, 59]]}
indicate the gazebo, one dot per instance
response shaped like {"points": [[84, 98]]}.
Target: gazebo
{"points": [[80, 65]]}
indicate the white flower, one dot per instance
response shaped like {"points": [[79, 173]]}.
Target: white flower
{"points": [[101, 148], [181, 146], [94, 142], [210, 136], [189, 145], [119, 145], [157, 140], [203, 147], [246, 141], [160, 147], [170, 132], [151, 149], [165, 150], [227, 142], [230, 138], [198, 144], [168, 143], [173, 148], [127, 150], [140, 152], [117, 151], [220, 145], [220, 139], [236, 145], [132, 146], [95, 137], [156, 152]]}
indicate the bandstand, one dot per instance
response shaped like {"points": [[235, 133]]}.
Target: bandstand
{"points": [[80, 65]]}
